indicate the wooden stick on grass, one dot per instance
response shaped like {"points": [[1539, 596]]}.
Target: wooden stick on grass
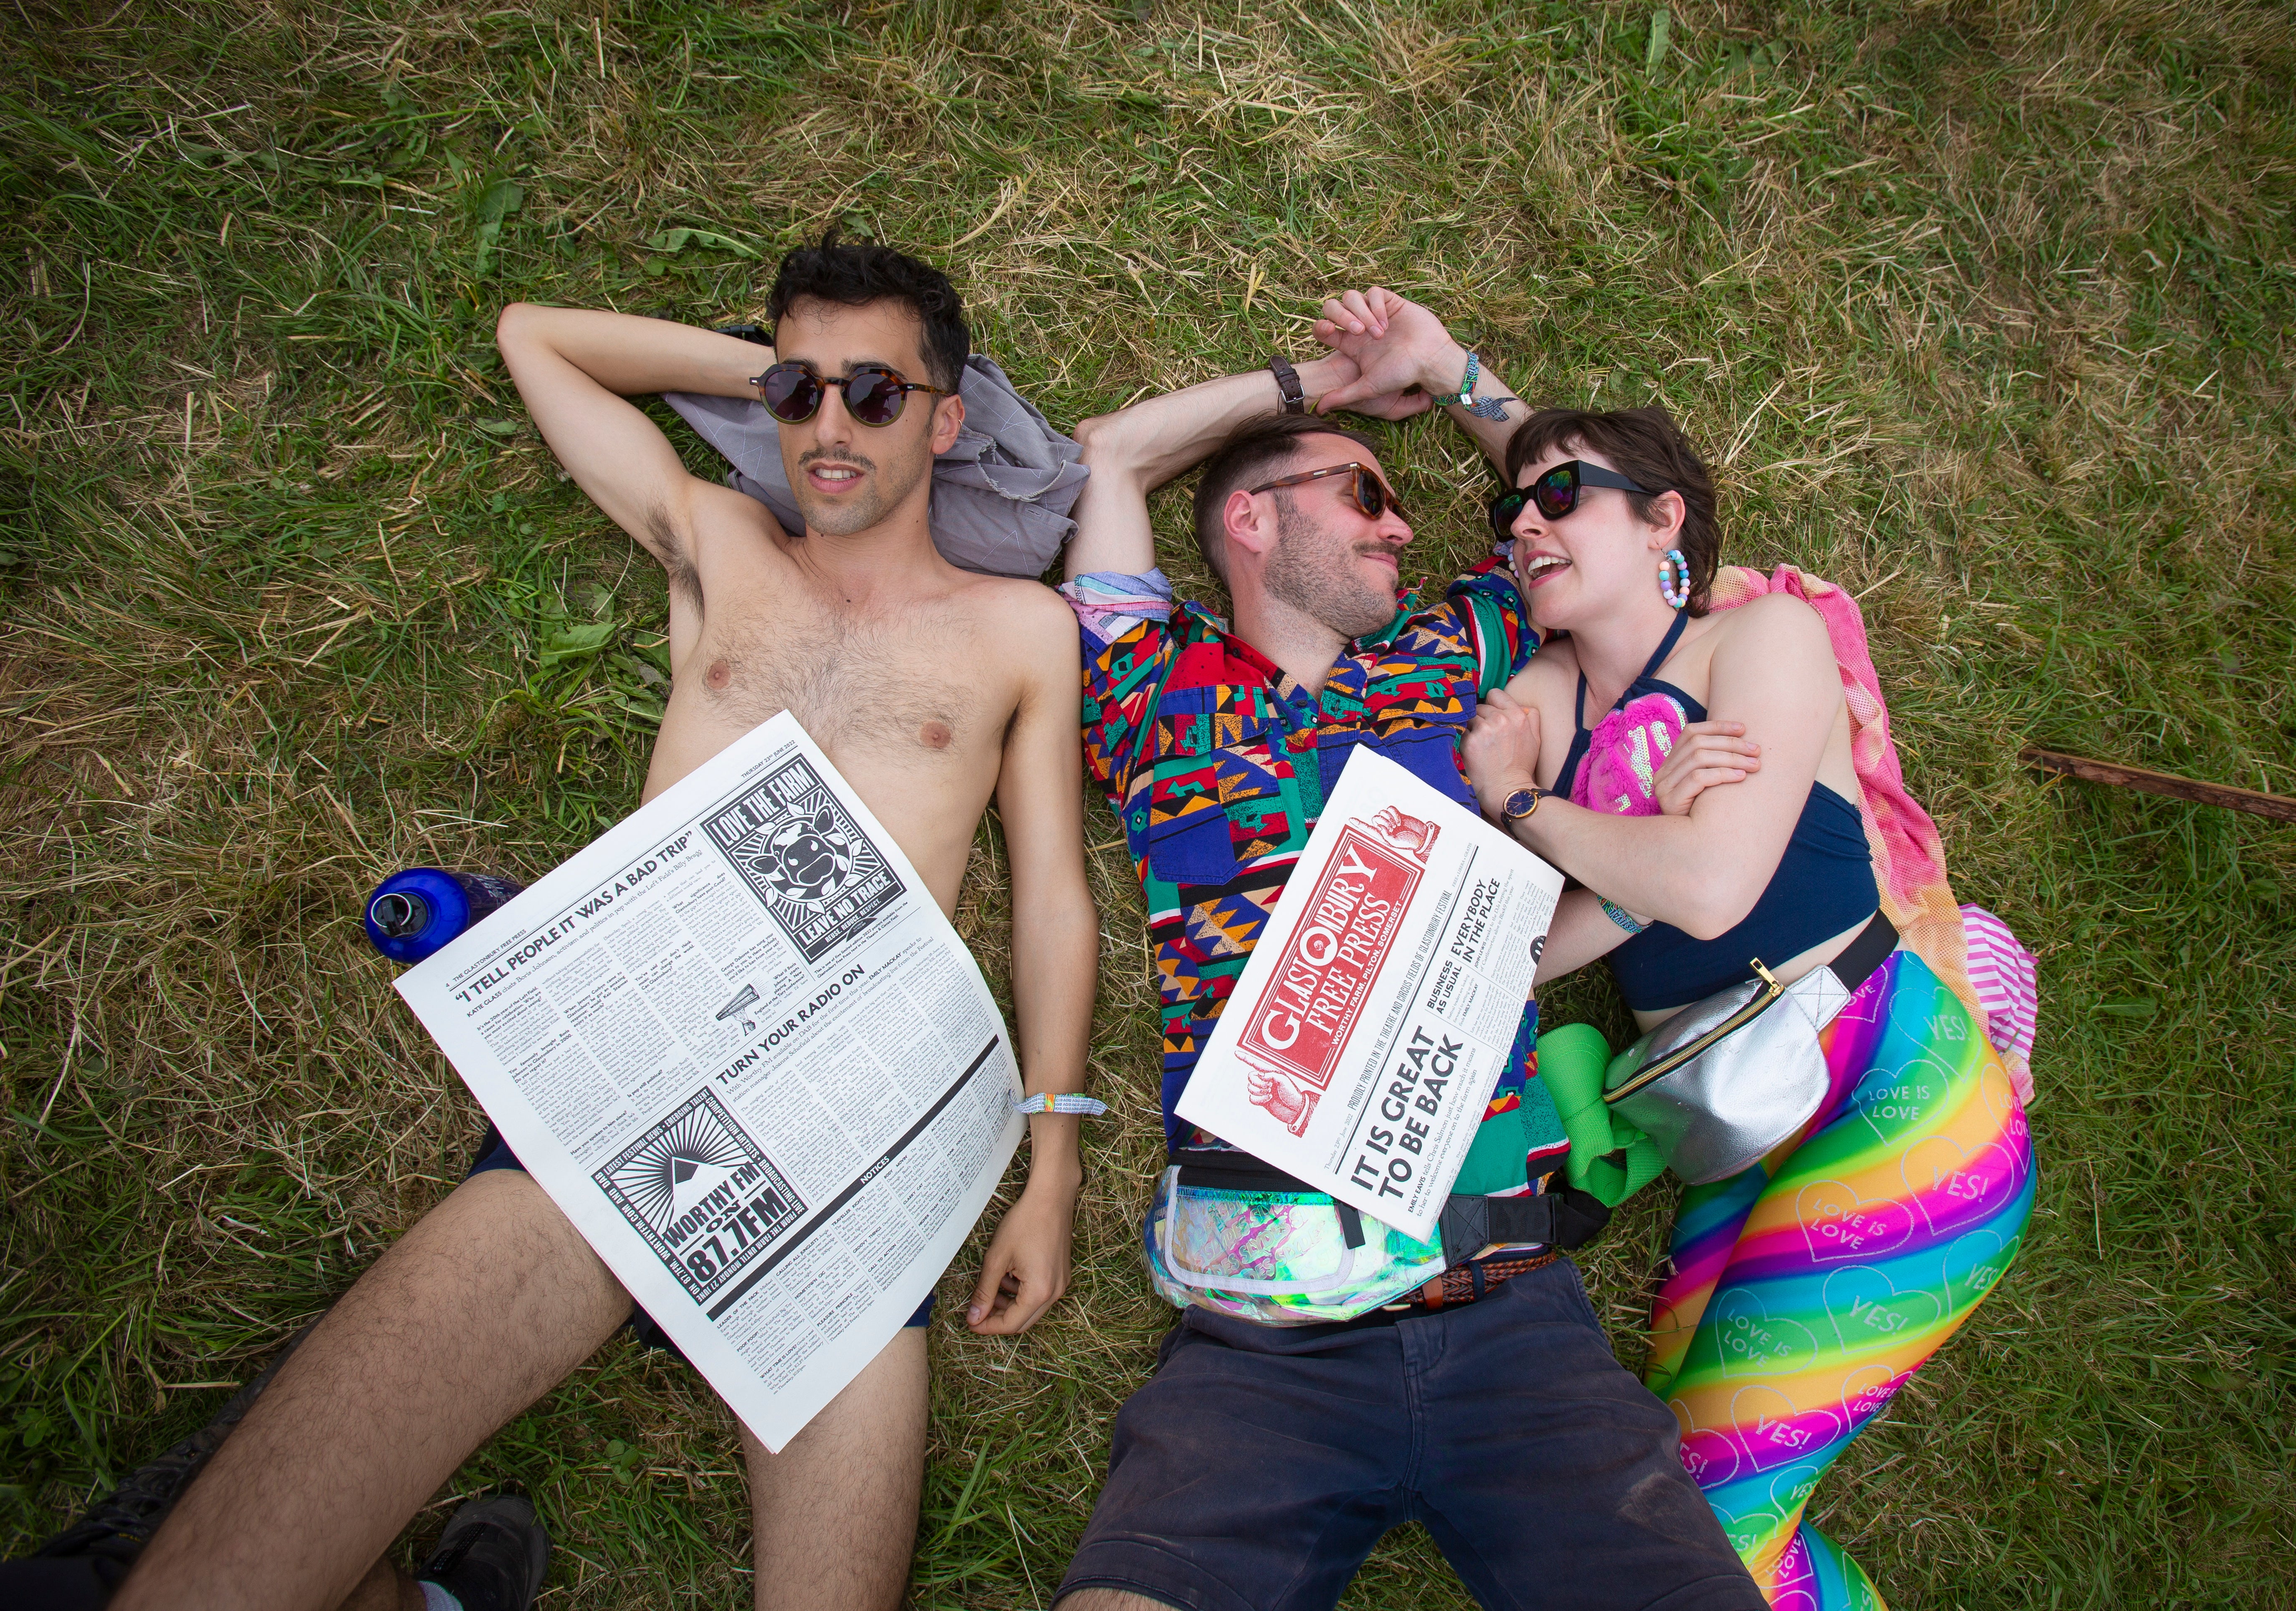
{"points": [[2277, 806]]}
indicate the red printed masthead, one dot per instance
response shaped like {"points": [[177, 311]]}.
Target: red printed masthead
{"points": [[1331, 960]]}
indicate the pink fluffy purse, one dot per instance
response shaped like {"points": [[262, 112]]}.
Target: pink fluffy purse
{"points": [[1624, 754]]}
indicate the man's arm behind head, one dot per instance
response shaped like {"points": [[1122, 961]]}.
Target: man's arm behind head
{"points": [[1135, 450], [574, 367]]}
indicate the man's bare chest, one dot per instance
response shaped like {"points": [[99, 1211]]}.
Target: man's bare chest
{"points": [[920, 688]]}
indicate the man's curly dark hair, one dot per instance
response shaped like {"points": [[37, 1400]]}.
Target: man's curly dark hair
{"points": [[859, 272]]}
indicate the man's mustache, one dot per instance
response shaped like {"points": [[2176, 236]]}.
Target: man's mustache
{"points": [[817, 454]]}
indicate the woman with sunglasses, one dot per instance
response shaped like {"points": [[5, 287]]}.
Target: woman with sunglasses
{"points": [[1705, 751]]}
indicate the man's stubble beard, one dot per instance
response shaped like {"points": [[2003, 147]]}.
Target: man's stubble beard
{"points": [[1311, 570], [884, 485]]}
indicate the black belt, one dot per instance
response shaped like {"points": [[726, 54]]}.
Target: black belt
{"points": [[1864, 953], [1565, 1217]]}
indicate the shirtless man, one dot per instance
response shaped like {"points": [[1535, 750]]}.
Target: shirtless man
{"points": [[931, 689]]}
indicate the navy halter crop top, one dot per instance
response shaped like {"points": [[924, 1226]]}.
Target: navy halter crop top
{"points": [[1824, 884]]}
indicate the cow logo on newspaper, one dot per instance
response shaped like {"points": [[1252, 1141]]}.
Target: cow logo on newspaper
{"points": [[804, 856], [1329, 963], [705, 1197]]}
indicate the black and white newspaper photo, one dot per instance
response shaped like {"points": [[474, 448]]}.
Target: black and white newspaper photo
{"points": [[742, 1050]]}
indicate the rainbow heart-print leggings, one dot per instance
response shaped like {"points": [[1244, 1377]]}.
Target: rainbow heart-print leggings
{"points": [[1806, 1290]]}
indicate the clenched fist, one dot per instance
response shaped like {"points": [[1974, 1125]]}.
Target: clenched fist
{"points": [[1502, 749]]}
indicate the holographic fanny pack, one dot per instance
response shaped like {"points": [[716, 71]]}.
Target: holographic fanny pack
{"points": [[1231, 1234]]}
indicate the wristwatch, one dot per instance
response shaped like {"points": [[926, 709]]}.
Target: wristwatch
{"points": [[1287, 381], [1522, 802]]}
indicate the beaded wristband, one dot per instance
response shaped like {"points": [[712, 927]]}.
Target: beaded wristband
{"points": [[1623, 918], [1065, 1101]]}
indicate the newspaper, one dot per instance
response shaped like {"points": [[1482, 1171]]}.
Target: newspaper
{"points": [[739, 1045], [1376, 1014]]}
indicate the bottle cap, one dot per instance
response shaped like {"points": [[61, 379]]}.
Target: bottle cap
{"points": [[400, 914]]}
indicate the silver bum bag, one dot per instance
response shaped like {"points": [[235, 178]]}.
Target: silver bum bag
{"points": [[1726, 1079]]}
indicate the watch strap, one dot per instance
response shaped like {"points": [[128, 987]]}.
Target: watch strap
{"points": [[1287, 381]]}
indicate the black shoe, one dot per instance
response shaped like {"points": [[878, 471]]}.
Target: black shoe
{"points": [[491, 1557], [118, 1526]]}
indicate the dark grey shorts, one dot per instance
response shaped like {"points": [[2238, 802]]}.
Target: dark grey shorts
{"points": [[1260, 1465]]}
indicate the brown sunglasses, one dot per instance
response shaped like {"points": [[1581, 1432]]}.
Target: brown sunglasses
{"points": [[1369, 492]]}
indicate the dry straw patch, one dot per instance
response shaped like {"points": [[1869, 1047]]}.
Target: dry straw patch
{"points": [[1983, 310]]}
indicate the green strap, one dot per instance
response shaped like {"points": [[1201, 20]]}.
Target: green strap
{"points": [[1490, 620], [1609, 1159]]}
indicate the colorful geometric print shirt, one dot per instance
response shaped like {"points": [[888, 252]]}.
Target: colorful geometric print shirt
{"points": [[1217, 761]]}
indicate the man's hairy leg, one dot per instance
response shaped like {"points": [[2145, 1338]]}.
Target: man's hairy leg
{"points": [[1108, 1600], [384, 1588], [479, 1311], [836, 1511]]}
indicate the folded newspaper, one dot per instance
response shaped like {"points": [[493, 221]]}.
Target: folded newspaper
{"points": [[1376, 1014], [740, 1046]]}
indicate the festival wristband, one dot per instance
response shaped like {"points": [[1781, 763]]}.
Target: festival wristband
{"points": [[1466, 393], [1624, 919], [1064, 1101], [1482, 408]]}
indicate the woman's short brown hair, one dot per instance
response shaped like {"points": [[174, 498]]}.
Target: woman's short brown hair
{"points": [[1647, 448]]}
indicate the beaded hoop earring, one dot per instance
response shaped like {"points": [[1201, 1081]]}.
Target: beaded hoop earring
{"points": [[1674, 578]]}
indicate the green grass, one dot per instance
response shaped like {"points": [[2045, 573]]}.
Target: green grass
{"points": [[1983, 310]]}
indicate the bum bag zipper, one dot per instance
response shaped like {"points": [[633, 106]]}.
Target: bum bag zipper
{"points": [[1658, 1068]]}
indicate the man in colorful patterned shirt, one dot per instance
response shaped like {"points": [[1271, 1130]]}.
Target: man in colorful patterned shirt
{"points": [[1278, 1441]]}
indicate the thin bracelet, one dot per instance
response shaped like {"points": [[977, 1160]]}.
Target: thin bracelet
{"points": [[1062, 1101], [1624, 919]]}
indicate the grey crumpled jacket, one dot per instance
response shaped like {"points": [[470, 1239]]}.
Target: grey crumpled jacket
{"points": [[1001, 496]]}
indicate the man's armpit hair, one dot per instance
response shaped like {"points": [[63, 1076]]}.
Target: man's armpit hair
{"points": [[674, 558], [685, 579]]}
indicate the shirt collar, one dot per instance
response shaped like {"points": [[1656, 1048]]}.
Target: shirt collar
{"points": [[1199, 625]]}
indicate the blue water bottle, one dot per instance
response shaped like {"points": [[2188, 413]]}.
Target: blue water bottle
{"points": [[413, 914]]}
